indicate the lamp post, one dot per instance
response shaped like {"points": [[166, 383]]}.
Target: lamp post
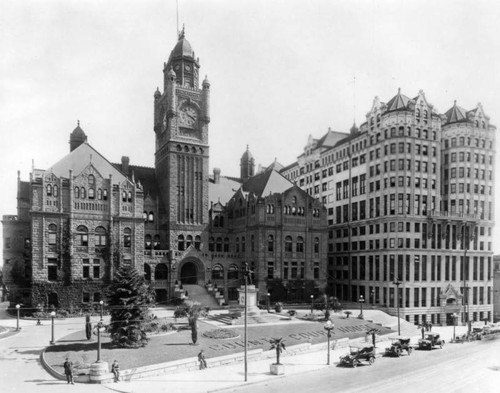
{"points": [[99, 328], [18, 306], [361, 301], [246, 273], [312, 303], [328, 327], [268, 301], [102, 306], [454, 315], [397, 283], [52, 316]]}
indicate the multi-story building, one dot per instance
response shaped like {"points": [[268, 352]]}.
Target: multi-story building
{"points": [[83, 217], [410, 200], [496, 288]]}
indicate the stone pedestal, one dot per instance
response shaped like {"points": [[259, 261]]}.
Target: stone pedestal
{"points": [[277, 369], [98, 372], [252, 292]]}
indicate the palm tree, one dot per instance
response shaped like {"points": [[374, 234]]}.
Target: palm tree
{"points": [[279, 346]]}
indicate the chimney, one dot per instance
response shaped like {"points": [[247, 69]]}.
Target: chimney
{"points": [[216, 175], [125, 162]]}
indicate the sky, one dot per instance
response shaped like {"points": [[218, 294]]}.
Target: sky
{"points": [[280, 70]]}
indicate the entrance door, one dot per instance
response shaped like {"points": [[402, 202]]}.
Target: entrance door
{"points": [[189, 273]]}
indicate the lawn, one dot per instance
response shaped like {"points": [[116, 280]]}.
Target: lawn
{"points": [[177, 345]]}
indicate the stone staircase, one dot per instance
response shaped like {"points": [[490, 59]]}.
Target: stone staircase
{"points": [[199, 294]]}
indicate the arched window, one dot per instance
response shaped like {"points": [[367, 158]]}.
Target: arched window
{"points": [[216, 221], [83, 193], [417, 112], [197, 242], [49, 190], [127, 237], [425, 114], [77, 192], [91, 193], [130, 196], [226, 244], [105, 194], [157, 242], [316, 245], [237, 243], [91, 180], [218, 272], [100, 237], [151, 217], [148, 242], [218, 244], [124, 196], [147, 272], [161, 272], [145, 216], [56, 191], [270, 243], [233, 273], [243, 246], [189, 241], [99, 194], [300, 244], [52, 236], [211, 244], [477, 123], [483, 124], [180, 243], [82, 236], [288, 244]]}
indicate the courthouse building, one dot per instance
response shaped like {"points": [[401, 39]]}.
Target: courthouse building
{"points": [[80, 219], [410, 199]]}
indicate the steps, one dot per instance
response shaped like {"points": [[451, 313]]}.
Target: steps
{"points": [[197, 293]]}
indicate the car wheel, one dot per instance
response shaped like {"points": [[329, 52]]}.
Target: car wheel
{"points": [[355, 363], [371, 360]]}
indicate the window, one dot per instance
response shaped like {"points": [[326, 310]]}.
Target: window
{"points": [[148, 242], [49, 190], [217, 272], [197, 242], [82, 236], [300, 244], [91, 193], [86, 268], [316, 245], [127, 238], [100, 237], [270, 243], [96, 268], [232, 273], [52, 269], [52, 237], [180, 242], [288, 244]]}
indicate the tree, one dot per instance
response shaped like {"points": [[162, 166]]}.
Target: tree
{"points": [[193, 311], [279, 345], [128, 298]]}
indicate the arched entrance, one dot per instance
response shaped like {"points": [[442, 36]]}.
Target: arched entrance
{"points": [[189, 273]]}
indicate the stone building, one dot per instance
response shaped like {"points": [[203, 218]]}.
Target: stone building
{"points": [[410, 199], [83, 217]]}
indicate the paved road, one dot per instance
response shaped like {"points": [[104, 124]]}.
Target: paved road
{"points": [[470, 367]]}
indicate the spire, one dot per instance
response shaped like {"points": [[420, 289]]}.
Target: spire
{"points": [[182, 33]]}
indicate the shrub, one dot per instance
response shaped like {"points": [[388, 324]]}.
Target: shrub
{"points": [[221, 333]]}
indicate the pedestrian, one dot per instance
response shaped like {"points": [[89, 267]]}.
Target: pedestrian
{"points": [[68, 370], [38, 323], [201, 359], [115, 369]]}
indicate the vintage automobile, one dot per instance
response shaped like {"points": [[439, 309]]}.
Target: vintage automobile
{"points": [[430, 341], [398, 345], [357, 355]]}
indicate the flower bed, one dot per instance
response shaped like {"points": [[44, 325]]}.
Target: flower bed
{"points": [[221, 333]]}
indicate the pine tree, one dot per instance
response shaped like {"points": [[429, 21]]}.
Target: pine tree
{"points": [[128, 298]]}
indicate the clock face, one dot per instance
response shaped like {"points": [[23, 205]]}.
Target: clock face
{"points": [[188, 116]]}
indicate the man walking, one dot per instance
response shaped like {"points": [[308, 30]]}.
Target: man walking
{"points": [[68, 370], [201, 359]]}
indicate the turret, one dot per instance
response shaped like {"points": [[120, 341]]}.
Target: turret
{"points": [[205, 101], [77, 137], [247, 165]]}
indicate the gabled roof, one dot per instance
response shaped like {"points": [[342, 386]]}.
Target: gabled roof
{"points": [[223, 191], [398, 102], [80, 158], [455, 114], [146, 177], [268, 182]]}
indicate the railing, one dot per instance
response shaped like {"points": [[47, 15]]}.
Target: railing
{"points": [[454, 215], [156, 253], [10, 217]]}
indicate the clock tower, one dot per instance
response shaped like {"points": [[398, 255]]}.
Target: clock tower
{"points": [[181, 117]]}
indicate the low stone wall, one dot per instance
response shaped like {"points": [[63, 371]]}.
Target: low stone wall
{"points": [[191, 364]]}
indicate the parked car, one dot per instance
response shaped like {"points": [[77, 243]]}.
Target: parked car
{"points": [[430, 341], [358, 355], [398, 345]]}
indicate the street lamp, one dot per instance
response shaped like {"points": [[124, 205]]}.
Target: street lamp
{"points": [[455, 316], [246, 273], [102, 305], [18, 306], [312, 303], [361, 301], [328, 327], [52, 316], [397, 283], [100, 326], [268, 301]]}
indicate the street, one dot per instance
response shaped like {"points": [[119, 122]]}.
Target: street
{"points": [[469, 367]]}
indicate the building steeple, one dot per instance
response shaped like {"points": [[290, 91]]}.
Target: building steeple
{"points": [[77, 137], [247, 165]]}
